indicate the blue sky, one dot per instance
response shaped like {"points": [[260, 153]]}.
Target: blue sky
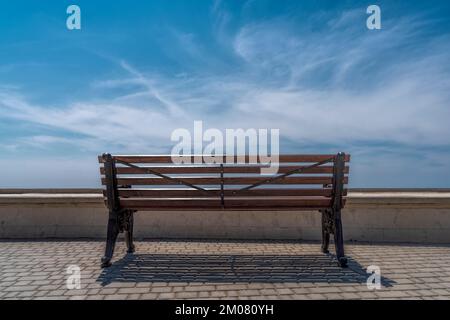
{"points": [[137, 70]]}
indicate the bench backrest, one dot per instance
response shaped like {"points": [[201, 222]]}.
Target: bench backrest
{"points": [[303, 182]]}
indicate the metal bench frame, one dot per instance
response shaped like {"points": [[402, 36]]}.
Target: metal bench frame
{"points": [[121, 218]]}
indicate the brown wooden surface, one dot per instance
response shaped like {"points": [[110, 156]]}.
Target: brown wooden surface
{"points": [[168, 158], [227, 181], [227, 169], [267, 197], [171, 192], [208, 203]]}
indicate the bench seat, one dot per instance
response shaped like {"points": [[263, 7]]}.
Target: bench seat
{"points": [[153, 182]]}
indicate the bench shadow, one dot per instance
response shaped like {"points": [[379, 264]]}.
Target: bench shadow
{"points": [[234, 268]]}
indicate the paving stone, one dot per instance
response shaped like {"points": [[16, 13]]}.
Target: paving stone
{"points": [[284, 291], [329, 289], [333, 296], [9, 278], [96, 297], [108, 290], [186, 295], [149, 296], [350, 295], [200, 288], [392, 294], [316, 296], [161, 289], [268, 292], [56, 292], [76, 292], [133, 290], [441, 292], [20, 288], [77, 298], [166, 295], [204, 295], [203, 270], [25, 294], [116, 297], [218, 294]]}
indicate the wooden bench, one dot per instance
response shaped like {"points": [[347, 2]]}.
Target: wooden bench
{"points": [[154, 182]]}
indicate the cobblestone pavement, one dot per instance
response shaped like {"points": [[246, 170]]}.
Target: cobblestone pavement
{"points": [[221, 270]]}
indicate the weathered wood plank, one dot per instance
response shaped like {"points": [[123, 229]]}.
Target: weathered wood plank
{"points": [[227, 169], [168, 158], [208, 203], [228, 181], [179, 193]]}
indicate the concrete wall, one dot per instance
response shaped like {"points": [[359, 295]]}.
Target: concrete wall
{"points": [[370, 215]]}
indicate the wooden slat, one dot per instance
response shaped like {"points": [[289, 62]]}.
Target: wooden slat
{"points": [[241, 204], [227, 169], [168, 158], [227, 181], [167, 193]]}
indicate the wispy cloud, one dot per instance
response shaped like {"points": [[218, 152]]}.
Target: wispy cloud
{"points": [[340, 85]]}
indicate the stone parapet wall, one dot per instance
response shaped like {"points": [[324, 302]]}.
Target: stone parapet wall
{"points": [[421, 216]]}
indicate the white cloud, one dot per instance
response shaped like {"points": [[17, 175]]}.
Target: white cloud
{"points": [[309, 85]]}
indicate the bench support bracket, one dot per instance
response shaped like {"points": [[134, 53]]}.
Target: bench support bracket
{"points": [[338, 189], [327, 228], [126, 225], [111, 237], [331, 218], [332, 224], [339, 239], [120, 220]]}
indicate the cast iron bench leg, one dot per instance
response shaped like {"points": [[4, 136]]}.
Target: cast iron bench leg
{"points": [[129, 232], [112, 233], [339, 239], [325, 231]]}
